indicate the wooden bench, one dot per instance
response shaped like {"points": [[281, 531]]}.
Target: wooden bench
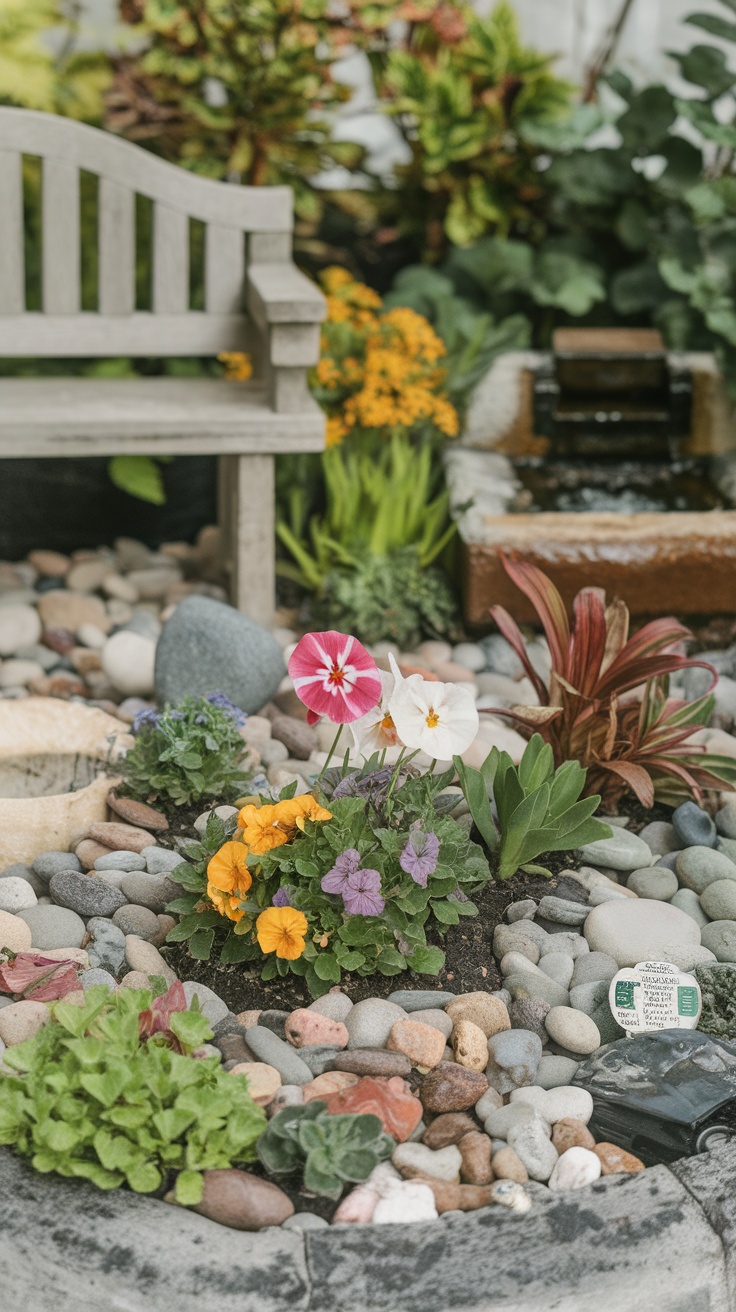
{"points": [[254, 300]]}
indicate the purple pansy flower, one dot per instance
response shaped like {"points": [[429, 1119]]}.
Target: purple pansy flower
{"points": [[419, 857], [336, 879], [282, 897], [362, 896]]}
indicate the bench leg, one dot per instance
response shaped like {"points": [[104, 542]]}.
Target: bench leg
{"points": [[246, 496]]}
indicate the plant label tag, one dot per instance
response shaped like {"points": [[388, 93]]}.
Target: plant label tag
{"points": [[654, 996]]}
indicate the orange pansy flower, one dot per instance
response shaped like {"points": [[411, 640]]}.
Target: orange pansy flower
{"points": [[282, 930], [228, 868]]}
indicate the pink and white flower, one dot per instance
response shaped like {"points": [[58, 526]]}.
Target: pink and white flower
{"points": [[334, 677], [440, 719]]}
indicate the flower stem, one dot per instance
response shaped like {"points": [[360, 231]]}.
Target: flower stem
{"points": [[395, 775], [331, 752]]}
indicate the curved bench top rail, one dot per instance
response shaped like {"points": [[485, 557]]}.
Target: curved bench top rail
{"points": [[251, 209]]}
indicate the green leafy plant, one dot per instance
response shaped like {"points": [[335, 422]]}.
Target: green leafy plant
{"points": [[375, 822], [109, 1092], [185, 754], [60, 78], [329, 1151], [539, 808], [390, 597], [583, 713]]}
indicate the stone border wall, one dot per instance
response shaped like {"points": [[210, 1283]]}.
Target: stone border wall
{"points": [[660, 1241]]}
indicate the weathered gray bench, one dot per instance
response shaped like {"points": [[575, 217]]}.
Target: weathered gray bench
{"points": [[254, 300]]}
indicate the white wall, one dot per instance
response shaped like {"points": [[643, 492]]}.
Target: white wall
{"points": [[576, 29]]}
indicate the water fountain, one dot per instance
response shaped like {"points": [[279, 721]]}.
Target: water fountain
{"points": [[608, 460]]}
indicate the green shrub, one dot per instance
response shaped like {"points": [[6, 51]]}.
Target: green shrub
{"points": [[330, 1151], [539, 808], [391, 597], [189, 753], [107, 1092]]}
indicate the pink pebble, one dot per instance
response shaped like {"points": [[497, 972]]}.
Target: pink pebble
{"points": [[305, 1029], [357, 1207]]}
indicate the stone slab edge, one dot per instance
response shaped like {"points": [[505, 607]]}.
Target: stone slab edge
{"points": [[663, 1239]]}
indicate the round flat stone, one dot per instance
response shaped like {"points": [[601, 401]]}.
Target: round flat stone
{"points": [[718, 900], [631, 930], [623, 851], [555, 1072], [697, 867], [573, 1030], [656, 883], [88, 895], [137, 813], [53, 927], [16, 894], [660, 837], [561, 911], [51, 863], [593, 966], [720, 937], [370, 1022], [334, 1005], [138, 920], [124, 861]]}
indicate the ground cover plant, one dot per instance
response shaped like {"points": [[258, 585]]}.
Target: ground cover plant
{"points": [[109, 1092], [191, 753], [329, 1151], [589, 711]]}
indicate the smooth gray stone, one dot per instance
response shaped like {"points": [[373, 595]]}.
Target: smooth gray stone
{"points": [[660, 837], [19, 871], [85, 894], [53, 927], [554, 1072], [421, 999], [276, 1052], [333, 1005], [526, 985], [561, 911], [697, 867], [624, 851], [208, 645], [305, 1221], [89, 978], [594, 966], [656, 883], [134, 919], [152, 891], [121, 861], [50, 863], [369, 1023], [728, 847], [588, 997], [210, 1004], [693, 826], [689, 902], [318, 1056], [160, 860], [720, 937]]}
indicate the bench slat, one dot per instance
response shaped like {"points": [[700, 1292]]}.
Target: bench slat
{"points": [[95, 336], [224, 269], [12, 263], [116, 248], [61, 253], [170, 261]]}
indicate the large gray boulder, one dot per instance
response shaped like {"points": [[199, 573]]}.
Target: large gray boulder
{"points": [[207, 646]]}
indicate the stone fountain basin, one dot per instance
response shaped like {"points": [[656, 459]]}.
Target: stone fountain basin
{"points": [[56, 769], [661, 1240]]}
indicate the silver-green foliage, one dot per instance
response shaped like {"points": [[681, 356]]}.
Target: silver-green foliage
{"points": [[330, 1151], [539, 808], [89, 1098]]}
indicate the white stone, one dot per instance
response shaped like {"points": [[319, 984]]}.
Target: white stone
{"points": [[408, 1203], [633, 930], [16, 895], [555, 1104], [20, 627], [575, 1168], [417, 1158], [471, 655], [90, 635], [17, 673], [128, 661]]}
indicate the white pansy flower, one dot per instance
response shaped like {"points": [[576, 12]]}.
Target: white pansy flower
{"points": [[440, 719], [376, 731]]}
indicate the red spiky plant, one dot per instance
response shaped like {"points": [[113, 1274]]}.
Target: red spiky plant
{"points": [[640, 744]]}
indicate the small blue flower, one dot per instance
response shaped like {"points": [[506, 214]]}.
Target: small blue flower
{"points": [[145, 717], [224, 704], [282, 898]]}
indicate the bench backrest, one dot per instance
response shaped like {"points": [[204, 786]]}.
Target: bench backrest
{"points": [[124, 170]]}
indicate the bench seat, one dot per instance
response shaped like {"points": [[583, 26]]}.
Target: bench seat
{"points": [[148, 416]]}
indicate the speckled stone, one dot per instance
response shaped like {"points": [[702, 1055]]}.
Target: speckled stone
{"points": [[451, 1088], [529, 1014], [130, 919], [720, 937], [88, 895], [532, 1145], [513, 1058], [718, 900]]}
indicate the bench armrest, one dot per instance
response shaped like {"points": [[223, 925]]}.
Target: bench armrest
{"points": [[280, 293]]}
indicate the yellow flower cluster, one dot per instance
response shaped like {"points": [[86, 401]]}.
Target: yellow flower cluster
{"points": [[238, 366], [263, 828], [379, 369]]}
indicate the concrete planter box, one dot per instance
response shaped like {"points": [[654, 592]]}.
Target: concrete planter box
{"points": [[661, 1241], [53, 780]]}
